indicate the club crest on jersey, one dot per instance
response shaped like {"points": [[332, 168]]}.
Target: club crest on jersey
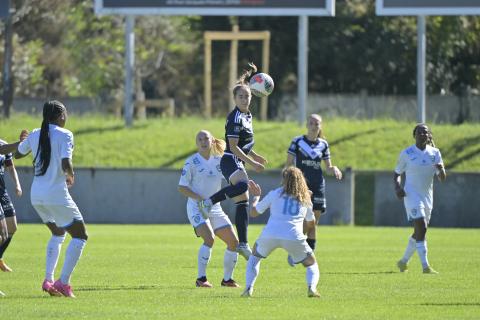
{"points": [[432, 158], [196, 161], [218, 168]]}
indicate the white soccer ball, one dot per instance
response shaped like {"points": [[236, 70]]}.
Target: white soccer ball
{"points": [[261, 84]]}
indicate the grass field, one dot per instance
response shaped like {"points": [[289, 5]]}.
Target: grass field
{"points": [[148, 272], [359, 144]]}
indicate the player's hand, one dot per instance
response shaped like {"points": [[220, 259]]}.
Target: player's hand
{"points": [[70, 181], [400, 193], [440, 166], [337, 173], [258, 167], [18, 191], [260, 159], [23, 135], [254, 188]]}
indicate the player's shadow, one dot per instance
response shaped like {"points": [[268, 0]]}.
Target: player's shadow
{"points": [[183, 156], [453, 304], [119, 288], [362, 273]]}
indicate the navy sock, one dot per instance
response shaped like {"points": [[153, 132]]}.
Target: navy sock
{"points": [[241, 220], [4, 246], [311, 243], [230, 191]]}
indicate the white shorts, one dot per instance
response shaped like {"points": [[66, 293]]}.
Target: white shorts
{"points": [[299, 250], [62, 216], [217, 219], [418, 212]]}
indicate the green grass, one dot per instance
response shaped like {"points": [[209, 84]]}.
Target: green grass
{"points": [[359, 144], [148, 272]]}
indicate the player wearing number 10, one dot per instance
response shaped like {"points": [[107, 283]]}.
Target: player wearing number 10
{"points": [[289, 206]]}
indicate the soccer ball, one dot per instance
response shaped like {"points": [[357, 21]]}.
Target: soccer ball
{"points": [[261, 85]]}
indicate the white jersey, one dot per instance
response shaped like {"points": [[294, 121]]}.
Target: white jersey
{"points": [[51, 188], [202, 176], [419, 167], [286, 216]]}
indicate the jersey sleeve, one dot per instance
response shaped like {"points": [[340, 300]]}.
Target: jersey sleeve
{"points": [[293, 148], [233, 128], [66, 148], [326, 152], [401, 164], [25, 146], [310, 216], [438, 158], [186, 176], [265, 203]]}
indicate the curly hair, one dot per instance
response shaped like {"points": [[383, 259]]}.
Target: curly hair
{"points": [[430, 133], [294, 185]]}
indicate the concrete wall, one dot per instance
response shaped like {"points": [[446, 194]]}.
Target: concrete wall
{"points": [[456, 201], [151, 196], [439, 109]]}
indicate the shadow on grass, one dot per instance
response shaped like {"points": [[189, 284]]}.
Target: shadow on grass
{"points": [[119, 288], [106, 129], [466, 157], [363, 273], [450, 304], [183, 156], [358, 134]]}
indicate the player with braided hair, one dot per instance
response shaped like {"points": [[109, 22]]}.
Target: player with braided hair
{"points": [[420, 162], [52, 150], [238, 151], [289, 205]]}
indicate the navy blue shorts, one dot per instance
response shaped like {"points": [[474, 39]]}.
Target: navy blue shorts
{"points": [[229, 164], [318, 197], [7, 205]]}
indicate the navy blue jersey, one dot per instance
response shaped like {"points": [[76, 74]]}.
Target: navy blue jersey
{"points": [[239, 125], [4, 160], [308, 157]]}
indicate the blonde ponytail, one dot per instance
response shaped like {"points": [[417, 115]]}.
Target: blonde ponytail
{"points": [[218, 146]]}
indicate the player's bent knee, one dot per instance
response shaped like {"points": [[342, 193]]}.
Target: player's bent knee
{"points": [[309, 261]]}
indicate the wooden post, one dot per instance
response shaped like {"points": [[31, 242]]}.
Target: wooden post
{"points": [[234, 35], [233, 58]]}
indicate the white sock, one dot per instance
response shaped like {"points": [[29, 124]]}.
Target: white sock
{"points": [[53, 252], [422, 252], [72, 255], [410, 250], [253, 269], [204, 254], [229, 262], [313, 276]]}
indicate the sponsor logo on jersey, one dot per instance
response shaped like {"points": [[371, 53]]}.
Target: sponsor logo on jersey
{"points": [[311, 163]]}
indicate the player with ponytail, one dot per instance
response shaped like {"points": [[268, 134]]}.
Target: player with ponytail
{"points": [[201, 177], [52, 150], [238, 151]]}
